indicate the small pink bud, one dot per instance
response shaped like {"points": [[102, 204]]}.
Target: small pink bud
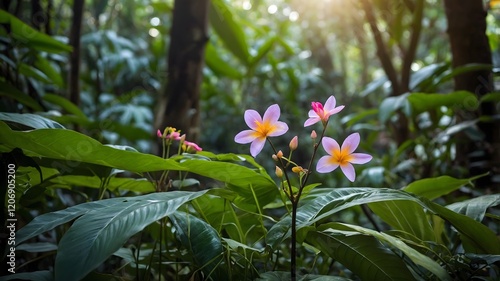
{"points": [[294, 143], [159, 134], [313, 135], [280, 154]]}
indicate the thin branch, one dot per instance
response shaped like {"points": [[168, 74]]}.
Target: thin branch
{"points": [[384, 57], [412, 47]]}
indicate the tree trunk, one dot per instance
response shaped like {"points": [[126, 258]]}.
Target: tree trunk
{"points": [[74, 41], [469, 44], [179, 104]]}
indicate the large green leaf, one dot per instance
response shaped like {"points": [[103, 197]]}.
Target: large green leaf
{"points": [[65, 104], [433, 188], [414, 255], [46, 222], [476, 236], [137, 185], [200, 239], [97, 234], [222, 19], [31, 37], [392, 104], [72, 146], [32, 121], [421, 102], [362, 254], [407, 216], [7, 90], [475, 207], [263, 50], [252, 187], [218, 65]]}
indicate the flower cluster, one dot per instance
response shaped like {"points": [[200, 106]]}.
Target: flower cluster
{"points": [[268, 126], [171, 134]]}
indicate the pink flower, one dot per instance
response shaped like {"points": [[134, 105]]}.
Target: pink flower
{"points": [[191, 146], [342, 156], [320, 113], [261, 128], [159, 134], [174, 136]]}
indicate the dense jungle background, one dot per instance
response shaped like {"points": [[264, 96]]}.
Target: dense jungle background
{"points": [[99, 195]]}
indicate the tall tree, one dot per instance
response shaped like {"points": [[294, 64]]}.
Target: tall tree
{"points": [[179, 103], [469, 44], [74, 41], [399, 78]]}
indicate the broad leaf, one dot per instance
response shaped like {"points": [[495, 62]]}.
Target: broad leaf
{"points": [[476, 207], [411, 253], [362, 254], [46, 222], [31, 37], [222, 19], [200, 239], [433, 188], [218, 65], [99, 233], [7, 90], [32, 121], [72, 146], [476, 236], [421, 102], [407, 216], [392, 104], [65, 104]]}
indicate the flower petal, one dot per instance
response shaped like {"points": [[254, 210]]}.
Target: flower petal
{"points": [[245, 136], [281, 129], [348, 171], [251, 118], [330, 145], [256, 146], [360, 158], [311, 121], [351, 143], [336, 110], [324, 165], [330, 104], [312, 113], [272, 113]]}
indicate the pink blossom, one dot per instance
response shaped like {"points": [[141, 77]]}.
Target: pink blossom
{"points": [[192, 146], [320, 113], [261, 128], [342, 156]]}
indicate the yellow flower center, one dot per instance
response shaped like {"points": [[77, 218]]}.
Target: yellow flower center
{"points": [[264, 129], [341, 156]]}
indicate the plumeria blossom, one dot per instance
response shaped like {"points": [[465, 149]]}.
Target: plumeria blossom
{"points": [[342, 156], [322, 113], [261, 128]]}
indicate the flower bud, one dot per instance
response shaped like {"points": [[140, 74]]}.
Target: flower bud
{"points": [[159, 134], [275, 158], [313, 135], [294, 143], [279, 172], [280, 154], [297, 169]]}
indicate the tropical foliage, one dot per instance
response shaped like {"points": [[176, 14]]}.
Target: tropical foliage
{"points": [[101, 194]]}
